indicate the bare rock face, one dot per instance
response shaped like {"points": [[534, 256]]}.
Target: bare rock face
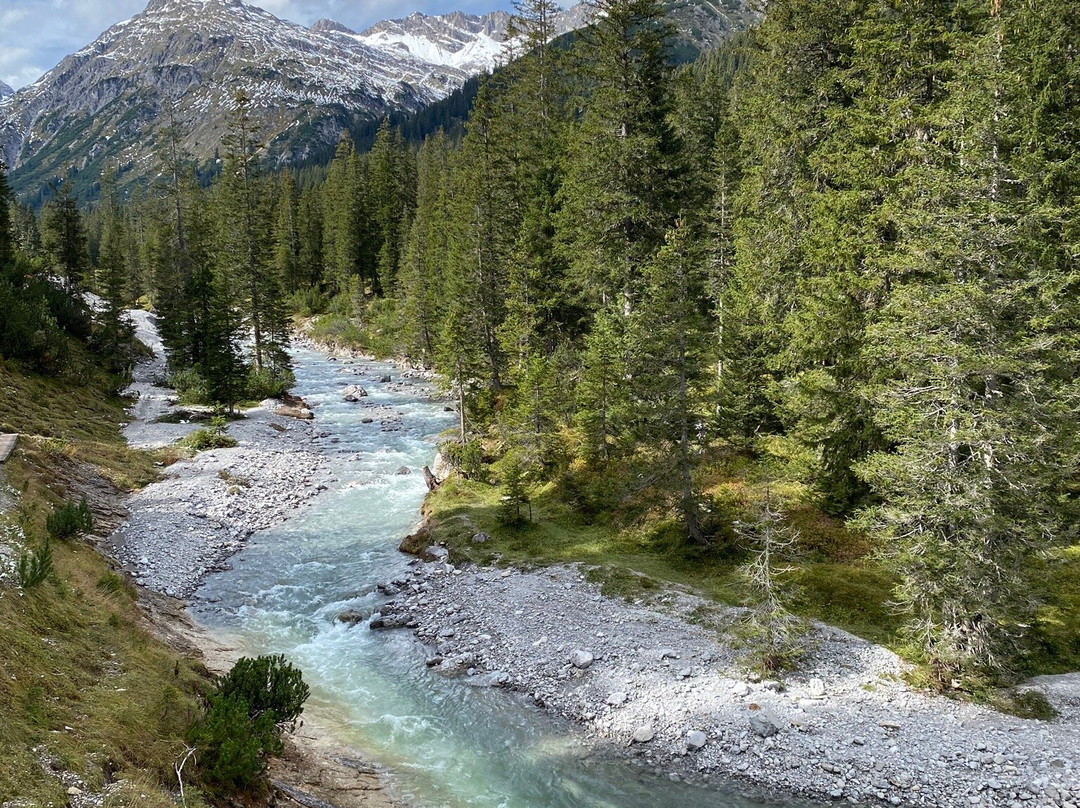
{"points": [[107, 101], [110, 101]]}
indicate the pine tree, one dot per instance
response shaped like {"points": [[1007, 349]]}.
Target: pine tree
{"points": [[244, 247], [112, 270], [618, 195], [970, 494], [63, 239], [670, 334], [7, 231], [775, 634], [392, 190], [287, 236], [420, 276]]}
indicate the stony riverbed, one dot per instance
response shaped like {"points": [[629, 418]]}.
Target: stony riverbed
{"points": [[641, 678]]}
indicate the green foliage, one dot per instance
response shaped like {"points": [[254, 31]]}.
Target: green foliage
{"points": [[191, 386], [467, 458], [264, 383], [232, 745], [267, 684], [773, 634], [213, 436], [35, 567], [244, 717], [69, 520], [514, 505]]}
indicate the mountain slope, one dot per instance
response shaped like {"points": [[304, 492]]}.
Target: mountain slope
{"points": [[5, 91], [185, 60], [469, 42], [110, 99]]}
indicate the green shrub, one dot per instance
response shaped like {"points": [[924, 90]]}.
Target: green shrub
{"points": [[514, 505], [232, 746], [70, 519], [210, 437], [466, 458], [269, 684], [33, 568], [307, 302], [191, 386], [244, 717], [265, 383]]}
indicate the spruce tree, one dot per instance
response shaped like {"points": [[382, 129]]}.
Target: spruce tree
{"points": [[244, 247], [7, 231], [618, 194], [670, 334], [64, 240]]}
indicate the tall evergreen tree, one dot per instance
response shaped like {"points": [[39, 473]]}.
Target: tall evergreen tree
{"points": [[670, 335], [64, 240], [7, 231], [244, 245]]}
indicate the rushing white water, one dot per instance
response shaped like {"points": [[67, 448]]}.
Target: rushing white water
{"points": [[446, 743]]}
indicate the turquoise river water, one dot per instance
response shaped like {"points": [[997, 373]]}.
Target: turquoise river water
{"points": [[445, 744]]}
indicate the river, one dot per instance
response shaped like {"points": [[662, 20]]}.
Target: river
{"points": [[446, 744]]}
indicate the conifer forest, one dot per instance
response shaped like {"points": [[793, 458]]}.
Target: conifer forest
{"points": [[838, 255]]}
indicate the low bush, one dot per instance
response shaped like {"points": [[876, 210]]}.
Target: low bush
{"points": [[69, 520], [192, 386], [210, 437], [245, 715], [265, 383], [34, 567], [466, 458]]}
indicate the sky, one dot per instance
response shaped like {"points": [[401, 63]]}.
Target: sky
{"points": [[36, 34]]}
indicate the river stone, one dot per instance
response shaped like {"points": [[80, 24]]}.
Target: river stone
{"points": [[643, 734], [741, 689], [352, 616], [695, 739], [581, 659], [816, 689], [617, 698], [763, 723], [437, 553], [403, 471], [353, 392]]}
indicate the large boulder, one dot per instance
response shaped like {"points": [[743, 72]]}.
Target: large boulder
{"points": [[764, 723], [441, 467], [289, 411], [581, 660], [353, 392]]}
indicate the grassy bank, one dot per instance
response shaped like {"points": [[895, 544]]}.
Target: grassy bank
{"points": [[838, 578], [86, 691]]}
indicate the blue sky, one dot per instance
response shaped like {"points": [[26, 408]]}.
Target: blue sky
{"points": [[36, 34]]}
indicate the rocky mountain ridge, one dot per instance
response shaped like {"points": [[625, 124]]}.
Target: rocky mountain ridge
{"points": [[185, 61]]}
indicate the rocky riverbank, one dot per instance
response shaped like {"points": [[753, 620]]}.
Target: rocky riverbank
{"points": [[205, 509], [660, 682]]}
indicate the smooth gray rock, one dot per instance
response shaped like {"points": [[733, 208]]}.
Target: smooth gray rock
{"points": [[581, 660], [763, 723], [696, 739], [643, 734]]}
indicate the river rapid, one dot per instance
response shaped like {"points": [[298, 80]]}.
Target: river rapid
{"points": [[446, 743]]}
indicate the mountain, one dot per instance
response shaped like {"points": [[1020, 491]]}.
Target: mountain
{"points": [[469, 42], [187, 59], [5, 91]]}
